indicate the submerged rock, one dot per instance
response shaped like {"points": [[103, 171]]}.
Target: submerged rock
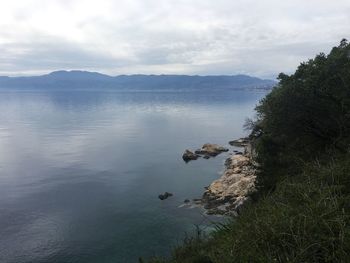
{"points": [[197, 201], [189, 156], [164, 196]]}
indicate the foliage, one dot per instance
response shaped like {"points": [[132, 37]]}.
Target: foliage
{"points": [[302, 138], [305, 220], [307, 115]]}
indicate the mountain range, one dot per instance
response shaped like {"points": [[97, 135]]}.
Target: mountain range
{"points": [[76, 79]]}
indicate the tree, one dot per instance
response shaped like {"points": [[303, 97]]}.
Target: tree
{"points": [[308, 112]]}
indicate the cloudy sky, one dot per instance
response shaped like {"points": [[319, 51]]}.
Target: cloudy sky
{"points": [[205, 37]]}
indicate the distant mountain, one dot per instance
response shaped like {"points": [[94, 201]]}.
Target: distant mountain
{"points": [[76, 75], [93, 80]]}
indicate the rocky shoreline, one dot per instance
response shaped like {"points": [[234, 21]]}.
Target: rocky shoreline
{"points": [[208, 150], [228, 194]]}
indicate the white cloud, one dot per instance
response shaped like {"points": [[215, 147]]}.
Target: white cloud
{"points": [[167, 36]]}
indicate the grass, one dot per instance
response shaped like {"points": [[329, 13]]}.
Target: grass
{"points": [[306, 219]]}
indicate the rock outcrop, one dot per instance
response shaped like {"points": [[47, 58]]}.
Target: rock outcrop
{"points": [[209, 149], [232, 190], [227, 194], [242, 142], [164, 196], [189, 156]]}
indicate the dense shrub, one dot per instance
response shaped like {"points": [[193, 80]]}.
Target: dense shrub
{"points": [[307, 115]]}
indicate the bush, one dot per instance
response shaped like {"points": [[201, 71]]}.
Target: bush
{"points": [[306, 116]]}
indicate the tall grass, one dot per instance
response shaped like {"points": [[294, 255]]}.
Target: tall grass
{"points": [[306, 219]]}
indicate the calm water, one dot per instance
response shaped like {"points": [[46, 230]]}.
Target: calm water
{"points": [[80, 172]]}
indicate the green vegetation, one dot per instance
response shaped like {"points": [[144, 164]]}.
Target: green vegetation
{"points": [[302, 139]]}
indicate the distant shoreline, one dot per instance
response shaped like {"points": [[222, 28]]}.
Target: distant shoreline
{"points": [[90, 80]]}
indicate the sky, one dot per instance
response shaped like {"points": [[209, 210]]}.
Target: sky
{"points": [[196, 37]]}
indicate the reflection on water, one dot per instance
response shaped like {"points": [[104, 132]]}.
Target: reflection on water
{"points": [[80, 172]]}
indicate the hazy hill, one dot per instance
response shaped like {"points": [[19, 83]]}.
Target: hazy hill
{"points": [[92, 80]]}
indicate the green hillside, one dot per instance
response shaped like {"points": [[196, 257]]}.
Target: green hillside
{"points": [[302, 139]]}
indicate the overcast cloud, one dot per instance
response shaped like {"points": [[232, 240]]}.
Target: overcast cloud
{"points": [[206, 37]]}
